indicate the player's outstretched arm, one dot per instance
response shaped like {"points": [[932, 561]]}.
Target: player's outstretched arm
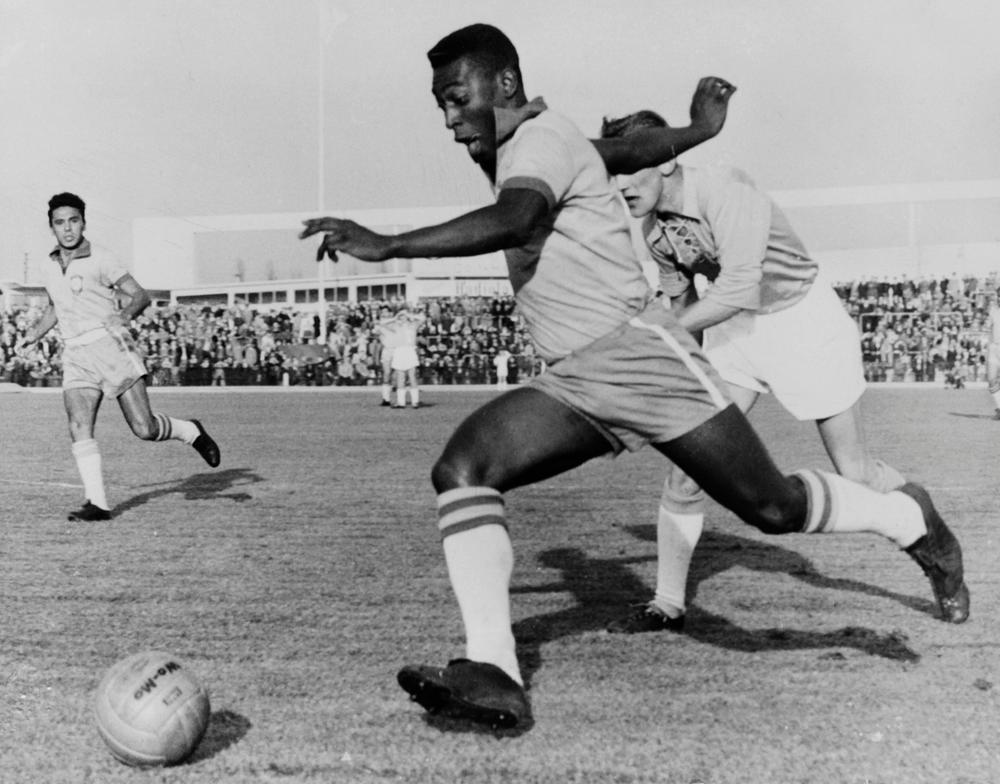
{"points": [[655, 146], [506, 224]]}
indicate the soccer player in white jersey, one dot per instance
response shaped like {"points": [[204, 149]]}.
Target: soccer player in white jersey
{"points": [[387, 330], [993, 354], [770, 323], [405, 360], [84, 284], [622, 371]]}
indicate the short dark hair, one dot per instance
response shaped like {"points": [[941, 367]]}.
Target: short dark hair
{"points": [[630, 123], [484, 44], [67, 200]]}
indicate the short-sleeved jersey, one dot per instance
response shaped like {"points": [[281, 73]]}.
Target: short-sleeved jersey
{"points": [[388, 332], [734, 234], [84, 294], [578, 277]]}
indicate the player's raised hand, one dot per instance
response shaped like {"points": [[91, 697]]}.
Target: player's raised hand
{"points": [[710, 102], [347, 236]]}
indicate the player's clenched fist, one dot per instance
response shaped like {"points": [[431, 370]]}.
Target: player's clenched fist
{"points": [[347, 236], [710, 102]]}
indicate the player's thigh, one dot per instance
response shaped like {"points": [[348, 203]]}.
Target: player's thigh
{"points": [[521, 437], [134, 403], [81, 404], [727, 459]]}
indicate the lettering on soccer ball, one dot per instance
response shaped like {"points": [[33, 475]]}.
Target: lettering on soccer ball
{"points": [[150, 683]]}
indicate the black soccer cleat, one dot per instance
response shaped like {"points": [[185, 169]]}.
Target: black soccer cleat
{"points": [[940, 556], [646, 618], [205, 445], [89, 513], [474, 691]]}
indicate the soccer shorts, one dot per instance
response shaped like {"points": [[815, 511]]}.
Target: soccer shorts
{"points": [[110, 364], [645, 382], [404, 358], [808, 355]]}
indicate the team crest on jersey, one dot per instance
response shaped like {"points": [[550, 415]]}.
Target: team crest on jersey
{"points": [[76, 284]]}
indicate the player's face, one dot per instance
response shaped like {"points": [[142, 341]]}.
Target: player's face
{"points": [[467, 95], [641, 190], [67, 225]]}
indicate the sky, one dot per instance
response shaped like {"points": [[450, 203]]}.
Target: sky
{"points": [[218, 107]]}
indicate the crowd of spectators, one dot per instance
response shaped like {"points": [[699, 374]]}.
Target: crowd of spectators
{"points": [[925, 329], [458, 341]]}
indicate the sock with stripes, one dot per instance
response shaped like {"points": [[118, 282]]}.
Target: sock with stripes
{"points": [[87, 455], [177, 429], [480, 559], [838, 505], [676, 536]]}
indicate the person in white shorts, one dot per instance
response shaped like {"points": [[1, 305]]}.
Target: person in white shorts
{"points": [[404, 358], [993, 354], [387, 330], [84, 284], [769, 322], [622, 372]]}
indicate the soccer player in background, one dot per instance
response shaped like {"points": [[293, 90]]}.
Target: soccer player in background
{"points": [[84, 284], [404, 357], [769, 321], [993, 354], [387, 330], [622, 371]]}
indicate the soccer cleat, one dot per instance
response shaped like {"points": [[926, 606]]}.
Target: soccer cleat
{"points": [[475, 691], [89, 513], [940, 556], [205, 445], [386, 403], [647, 618]]}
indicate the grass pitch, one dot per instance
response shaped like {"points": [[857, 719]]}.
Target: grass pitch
{"points": [[299, 576]]}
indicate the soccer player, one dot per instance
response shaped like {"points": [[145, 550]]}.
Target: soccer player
{"points": [[622, 371], [387, 330], [405, 359], [84, 284], [993, 354], [770, 323]]}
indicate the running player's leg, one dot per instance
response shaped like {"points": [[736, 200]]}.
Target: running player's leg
{"points": [[387, 373], [519, 438], [844, 439], [82, 404], [400, 378], [154, 426], [727, 459]]}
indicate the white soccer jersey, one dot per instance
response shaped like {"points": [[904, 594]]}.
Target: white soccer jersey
{"points": [[83, 295]]}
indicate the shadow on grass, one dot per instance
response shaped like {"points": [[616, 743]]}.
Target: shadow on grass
{"points": [[604, 588], [967, 415], [217, 484], [463, 726], [225, 728]]}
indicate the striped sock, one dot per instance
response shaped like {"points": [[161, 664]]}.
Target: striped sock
{"points": [[87, 455], [177, 429], [480, 559], [838, 505]]}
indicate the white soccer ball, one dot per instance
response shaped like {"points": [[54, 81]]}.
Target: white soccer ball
{"points": [[151, 710]]}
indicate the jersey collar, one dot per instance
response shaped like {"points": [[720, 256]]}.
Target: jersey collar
{"points": [[81, 251], [509, 120]]}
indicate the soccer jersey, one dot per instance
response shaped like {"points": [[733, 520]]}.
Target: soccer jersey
{"points": [[578, 277], [83, 295], [732, 233]]}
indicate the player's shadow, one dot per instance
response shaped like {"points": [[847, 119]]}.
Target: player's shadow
{"points": [[213, 485], [225, 728], [968, 415], [603, 589]]}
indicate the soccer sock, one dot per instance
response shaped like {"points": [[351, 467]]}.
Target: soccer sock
{"points": [[995, 394], [885, 478], [838, 505], [387, 393], [401, 397], [676, 537], [176, 429], [415, 396], [480, 561], [88, 462]]}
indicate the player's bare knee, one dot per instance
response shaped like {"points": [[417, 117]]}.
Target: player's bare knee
{"points": [[147, 431], [454, 470], [776, 517]]}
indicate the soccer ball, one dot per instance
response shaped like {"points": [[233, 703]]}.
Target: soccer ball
{"points": [[151, 710]]}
